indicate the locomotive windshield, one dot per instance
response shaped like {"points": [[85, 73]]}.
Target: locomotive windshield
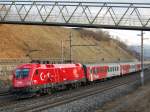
{"points": [[22, 73]]}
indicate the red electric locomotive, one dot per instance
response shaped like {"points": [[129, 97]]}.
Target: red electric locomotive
{"points": [[42, 78]]}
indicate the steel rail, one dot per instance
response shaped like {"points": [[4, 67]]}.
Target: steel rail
{"points": [[4, 93]]}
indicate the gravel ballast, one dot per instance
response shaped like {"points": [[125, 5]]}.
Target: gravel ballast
{"points": [[91, 103]]}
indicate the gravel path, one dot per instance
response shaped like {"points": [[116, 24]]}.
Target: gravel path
{"points": [[137, 101]]}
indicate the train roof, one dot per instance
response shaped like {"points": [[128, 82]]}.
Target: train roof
{"points": [[32, 65], [111, 64]]}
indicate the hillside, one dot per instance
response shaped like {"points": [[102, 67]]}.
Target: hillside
{"points": [[20, 41]]}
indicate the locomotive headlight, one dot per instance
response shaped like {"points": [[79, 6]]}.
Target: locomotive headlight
{"points": [[29, 83], [34, 82]]}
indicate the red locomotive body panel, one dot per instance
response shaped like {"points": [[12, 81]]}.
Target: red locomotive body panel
{"points": [[69, 72], [40, 74], [96, 72], [59, 73]]}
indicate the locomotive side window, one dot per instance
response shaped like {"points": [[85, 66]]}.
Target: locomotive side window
{"points": [[37, 72], [95, 71], [22, 73]]}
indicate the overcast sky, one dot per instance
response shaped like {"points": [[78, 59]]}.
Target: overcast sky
{"points": [[128, 36], [131, 37]]}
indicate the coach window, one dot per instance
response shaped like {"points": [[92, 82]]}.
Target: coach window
{"points": [[110, 69], [95, 71], [90, 71], [98, 70]]}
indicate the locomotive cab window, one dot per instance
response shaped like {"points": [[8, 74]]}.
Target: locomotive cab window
{"points": [[22, 73]]}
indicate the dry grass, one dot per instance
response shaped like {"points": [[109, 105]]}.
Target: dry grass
{"points": [[19, 41]]}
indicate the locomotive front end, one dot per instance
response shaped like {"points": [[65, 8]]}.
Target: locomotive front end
{"points": [[21, 78], [22, 83]]}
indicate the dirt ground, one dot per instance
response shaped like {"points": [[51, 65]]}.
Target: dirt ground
{"points": [[137, 101]]}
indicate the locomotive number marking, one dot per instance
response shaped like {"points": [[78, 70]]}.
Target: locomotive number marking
{"points": [[44, 76], [41, 76]]}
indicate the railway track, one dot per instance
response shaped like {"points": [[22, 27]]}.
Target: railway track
{"points": [[5, 97], [43, 103], [4, 93], [69, 99], [77, 97]]}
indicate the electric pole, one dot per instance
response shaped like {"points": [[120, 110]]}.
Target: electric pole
{"points": [[62, 51], [70, 41], [142, 60], [75, 45]]}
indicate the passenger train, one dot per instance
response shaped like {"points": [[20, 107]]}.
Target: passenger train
{"points": [[33, 78]]}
